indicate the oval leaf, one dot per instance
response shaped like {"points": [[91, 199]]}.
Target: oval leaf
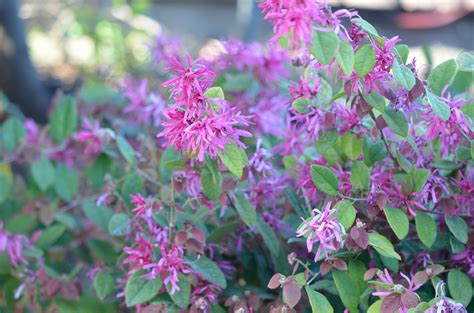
{"points": [[383, 246], [324, 179], [324, 46], [460, 286], [364, 60], [425, 228], [246, 211], [209, 270], [441, 76], [458, 228], [318, 302], [139, 290], [398, 221]]}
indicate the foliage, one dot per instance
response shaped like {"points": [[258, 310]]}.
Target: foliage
{"points": [[227, 184]]}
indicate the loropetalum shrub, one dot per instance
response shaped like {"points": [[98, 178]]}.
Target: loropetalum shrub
{"points": [[223, 185]]}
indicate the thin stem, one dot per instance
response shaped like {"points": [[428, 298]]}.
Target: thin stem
{"points": [[172, 214], [384, 140]]}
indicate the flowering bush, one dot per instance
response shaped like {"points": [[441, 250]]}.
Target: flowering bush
{"points": [[233, 185]]}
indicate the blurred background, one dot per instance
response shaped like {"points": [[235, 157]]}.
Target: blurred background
{"points": [[77, 42]]}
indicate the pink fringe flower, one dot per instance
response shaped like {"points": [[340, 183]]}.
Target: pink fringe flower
{"points": [[323, 228]]}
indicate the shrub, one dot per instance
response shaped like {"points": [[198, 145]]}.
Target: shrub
{"points": [[227, 185]]}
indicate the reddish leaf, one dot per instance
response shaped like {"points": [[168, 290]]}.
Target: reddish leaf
{"points": [[409, 299], [391, 303], [291, 293], [434, 270], [199, 235], [69, 291], [420, 278], [354, 232], [325, 268], [363, 239], [340, 264], [180, 238], [416, 91], [275, 281], [51, 288], [371, 272]]}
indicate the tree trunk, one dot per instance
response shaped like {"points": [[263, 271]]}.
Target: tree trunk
{"points": [[18, 78]]}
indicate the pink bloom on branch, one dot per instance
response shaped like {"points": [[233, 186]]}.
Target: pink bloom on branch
{"points": [[206, 133], [323, 228], [450, 132], [291, 18], [168, 267], [14, 245], [92, 135], [307, 87], [401, 196], [139, 203], [189, 82]]}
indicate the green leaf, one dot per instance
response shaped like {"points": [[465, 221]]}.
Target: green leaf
{"points": [[12, 133], [383, 246], [43, 173], [221, 231], [373, 151], [301, 105], [376, 100], [181, 297], [439, 106], [419, 177], [139, 290], [232, 159], [246, 211], [350, 284], [318, 302], [441, 76], [49, 236], [346, 213], [66, 219], [460, 286], [360, 175], [5, 186], [363, 24], [398, 221], [98, 215], [456, 245], [214, 93], [465, 61], [119, 224], [63, 121], [126, 150], [269, 237], [458, 227], [364, 60], [66, 183], [211, 180], [376, 307], [209, 270], [345, 57], [133, 184], [425, 228], [103, 284], [351, 145], [403, 75], [396, 121], [403, 52], [324, 179], [324, 46]]}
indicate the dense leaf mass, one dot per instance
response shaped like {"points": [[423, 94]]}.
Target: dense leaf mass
{"points": [[320, 172]]}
